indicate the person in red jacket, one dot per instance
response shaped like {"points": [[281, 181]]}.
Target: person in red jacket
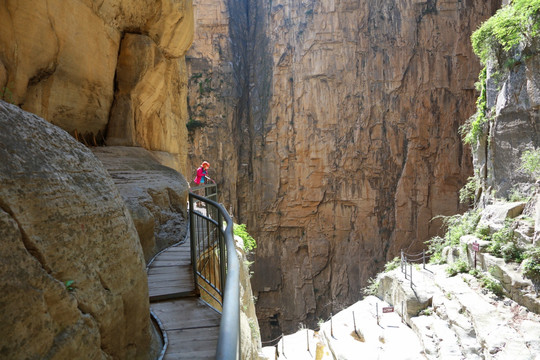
{"points": [[202, 172]]}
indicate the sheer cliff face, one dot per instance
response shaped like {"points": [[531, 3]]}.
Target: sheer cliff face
{"points": [[212, 98], [346, 138], [513, 94]]}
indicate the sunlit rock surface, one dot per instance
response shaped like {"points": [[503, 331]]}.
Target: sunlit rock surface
{"points": [[93, 67], [73, 280], [513, 97], [155, 195]]}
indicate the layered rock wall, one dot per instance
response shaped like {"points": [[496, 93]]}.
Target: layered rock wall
{"points": [[212, 97], [101, 69], [155, 195], [72, 268], [346, 122], [513, 100]]}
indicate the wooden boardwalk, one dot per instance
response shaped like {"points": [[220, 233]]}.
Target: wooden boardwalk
{"points": [[192, 327]]}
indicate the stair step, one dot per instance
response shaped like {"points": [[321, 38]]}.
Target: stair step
{"points": [[173, 295]]}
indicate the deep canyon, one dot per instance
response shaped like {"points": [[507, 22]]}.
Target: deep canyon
{"points": [[332, 128]]}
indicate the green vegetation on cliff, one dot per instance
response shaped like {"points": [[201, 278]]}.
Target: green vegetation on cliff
{"points": [[530, 162], [513, 24], [249, 241], [497, 39], [472, 129]]}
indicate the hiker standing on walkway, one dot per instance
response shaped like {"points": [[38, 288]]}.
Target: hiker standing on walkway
{"points": [[202, 172]]}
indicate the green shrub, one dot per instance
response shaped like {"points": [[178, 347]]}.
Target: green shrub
{"points": [[531, 268], [6, 95], [482, 232], [511, 252], [511, 25], [435, 248], [516, 195], [193, 124], [372, 288], [393, 264], [471, 130], [502, 245], [492, 285], [249, 241], [530, 162], [515, 23], [476, 273], [458, 267], [70, 285], [426, 312], [456, 227], [468, 191]]}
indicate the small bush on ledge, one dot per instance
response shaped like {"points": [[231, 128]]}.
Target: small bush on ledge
{"points": [[393, 264], [458, 267], [531, 268], [193, 124], [249, 241]]}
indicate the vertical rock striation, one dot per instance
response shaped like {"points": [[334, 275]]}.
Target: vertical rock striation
{"points": [[212, 96], [361, 145], [513, 100], [346, 130]]}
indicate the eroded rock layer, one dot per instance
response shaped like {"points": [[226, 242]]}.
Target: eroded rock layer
{"points": [[155, 195], [347, 143], [59, 60], [72, 268]]}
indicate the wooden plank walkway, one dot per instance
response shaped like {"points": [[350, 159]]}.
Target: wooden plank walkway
{"points": [[192, 327]]}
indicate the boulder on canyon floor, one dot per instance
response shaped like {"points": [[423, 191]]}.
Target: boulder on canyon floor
{"points": [[72, 268]]}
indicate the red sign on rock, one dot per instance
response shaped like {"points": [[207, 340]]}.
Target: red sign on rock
{"points": [[476, 246], [388, 309]]}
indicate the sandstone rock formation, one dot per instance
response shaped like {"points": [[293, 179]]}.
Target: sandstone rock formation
{"points": [[73, 274], [346, 130], [59, 60], [155, 195]]}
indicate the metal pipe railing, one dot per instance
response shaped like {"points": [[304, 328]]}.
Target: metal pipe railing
{"points": [[217, 234]]}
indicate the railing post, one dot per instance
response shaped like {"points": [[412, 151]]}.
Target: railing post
{"points": [[424, 259], [192, 235], [405, 267], [222, 253], [331, 325]]}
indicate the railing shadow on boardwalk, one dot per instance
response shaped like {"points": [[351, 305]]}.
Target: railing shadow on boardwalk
{"points": [[194, 286]]}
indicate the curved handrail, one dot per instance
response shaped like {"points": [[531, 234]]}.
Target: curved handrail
{"points": [[228, 347]]}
